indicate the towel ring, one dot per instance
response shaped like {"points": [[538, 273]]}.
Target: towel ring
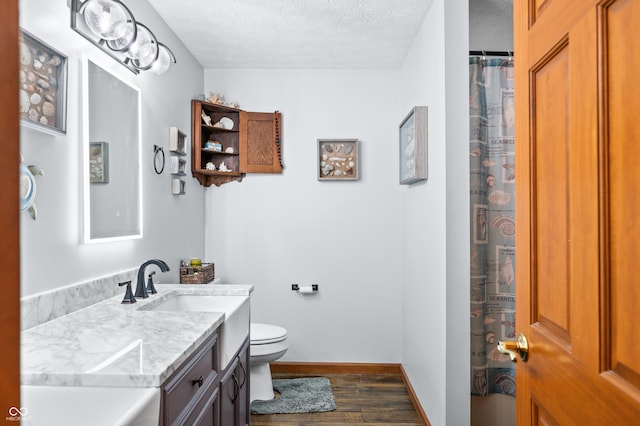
{"points": [[158, 161]]}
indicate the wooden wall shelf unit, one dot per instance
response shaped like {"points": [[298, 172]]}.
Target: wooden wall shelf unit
{"points": [[243, 142]]}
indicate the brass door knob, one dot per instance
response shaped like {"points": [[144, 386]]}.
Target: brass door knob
{"points": [[519, 347]]}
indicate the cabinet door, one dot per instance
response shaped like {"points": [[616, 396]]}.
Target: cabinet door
{"points": [[242, 373], [229, 389], [260, 150]]}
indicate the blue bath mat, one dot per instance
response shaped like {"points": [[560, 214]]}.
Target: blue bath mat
{"points": [[303, 395]]}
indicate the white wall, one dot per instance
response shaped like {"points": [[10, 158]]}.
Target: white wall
{"points": [[423, 216], [275, 230], [435, 235], [51, 250]]}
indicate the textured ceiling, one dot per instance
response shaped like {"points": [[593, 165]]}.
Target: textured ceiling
{"points": [[295, 33]]}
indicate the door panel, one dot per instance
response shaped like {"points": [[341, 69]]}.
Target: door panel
{"points": [[578, 204], [260, 135], [624, 177], [551, 290]]}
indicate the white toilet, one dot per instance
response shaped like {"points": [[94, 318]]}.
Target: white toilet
{"points": [[268, 343]]}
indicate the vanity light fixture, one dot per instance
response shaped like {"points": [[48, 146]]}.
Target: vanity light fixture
{"points": [[110, 25]]}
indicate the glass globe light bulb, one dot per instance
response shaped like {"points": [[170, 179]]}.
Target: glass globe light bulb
{"points": [[105, 18], [161, 65], [122, 43], [143, 46]]}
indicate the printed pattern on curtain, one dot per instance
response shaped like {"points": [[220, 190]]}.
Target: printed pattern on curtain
{"points": [[492, 193]]}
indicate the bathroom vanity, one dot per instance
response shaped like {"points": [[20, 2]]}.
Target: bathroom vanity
{"points": [[185, 350]]}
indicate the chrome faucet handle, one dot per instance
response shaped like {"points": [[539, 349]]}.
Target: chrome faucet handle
{"points": [[150, 287], [128, 294]]}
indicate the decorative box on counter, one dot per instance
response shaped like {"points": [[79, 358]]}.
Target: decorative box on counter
{"points": [[197, 274]]}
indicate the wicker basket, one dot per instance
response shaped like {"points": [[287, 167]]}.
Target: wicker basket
{"points": [[197, 274]]}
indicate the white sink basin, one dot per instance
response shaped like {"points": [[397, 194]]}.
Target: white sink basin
{"points": [[81, 406], [233, 331]]}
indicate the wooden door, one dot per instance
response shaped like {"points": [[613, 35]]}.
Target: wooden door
{"points": [[9, 211], [260, 150], [578, 210]]}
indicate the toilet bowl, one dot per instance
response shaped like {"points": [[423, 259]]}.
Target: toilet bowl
{"points": [[268, 343]]}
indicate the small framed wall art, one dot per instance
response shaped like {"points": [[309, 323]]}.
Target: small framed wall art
{"points": [[99, 162], [413, 146], [338, 159], [43, 85]]}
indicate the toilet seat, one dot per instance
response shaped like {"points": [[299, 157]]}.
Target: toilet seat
{"points": [[264, 334]]}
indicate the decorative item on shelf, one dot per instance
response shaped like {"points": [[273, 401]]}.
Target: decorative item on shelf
{"points": [[177, 186], [27, 188], [43, 85], [177, 141], [213, 146], [205, 118], [224, 123], [218, 99], [197, 274], [229, 150], [338, 159], [178, 150], [210, 166], [223, 167], [413, 146], [158, 159], [215, 98], [178, 166], [110, 26]]}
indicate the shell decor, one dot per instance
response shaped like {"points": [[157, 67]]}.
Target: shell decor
{"points": [[39, 74], [218, 99], [28, 188]]}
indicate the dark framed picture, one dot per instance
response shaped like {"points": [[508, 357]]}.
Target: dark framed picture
{"points": [[99, 162], [413, 146], [43, 85], [338, 159]]}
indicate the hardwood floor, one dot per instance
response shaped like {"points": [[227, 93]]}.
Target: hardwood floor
{"points": [[371, 399]]}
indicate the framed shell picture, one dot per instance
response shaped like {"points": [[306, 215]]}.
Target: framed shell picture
{"points": [[99, 162], [338, 159], [43, 85], [413, 146]]}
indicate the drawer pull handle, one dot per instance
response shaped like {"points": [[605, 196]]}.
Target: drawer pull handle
{"points": [[199, 381], [244, 375], [236, 388]]}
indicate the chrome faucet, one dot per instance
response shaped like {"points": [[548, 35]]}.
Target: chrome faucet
{"points": [[141, 289]]}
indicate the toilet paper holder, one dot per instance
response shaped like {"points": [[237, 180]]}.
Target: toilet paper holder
{"points": [[296, 287]]}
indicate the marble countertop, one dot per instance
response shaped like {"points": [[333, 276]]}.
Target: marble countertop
{"points": [[115, 344]]}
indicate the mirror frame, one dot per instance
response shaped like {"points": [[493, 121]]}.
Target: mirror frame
{"points": [[86, 181]]}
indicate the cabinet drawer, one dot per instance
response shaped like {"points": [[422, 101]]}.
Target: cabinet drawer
{"points": [[189, 382], [205, 413]]}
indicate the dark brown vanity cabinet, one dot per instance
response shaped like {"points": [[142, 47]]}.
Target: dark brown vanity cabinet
{"points": [[190, 395], [227, 143], [234, 391], [198, 394]]}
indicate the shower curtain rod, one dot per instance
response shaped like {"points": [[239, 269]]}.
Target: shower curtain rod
{"points": [[490, 53]]}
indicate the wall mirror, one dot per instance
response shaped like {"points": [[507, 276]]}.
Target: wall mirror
{"points": [[111, 157]]}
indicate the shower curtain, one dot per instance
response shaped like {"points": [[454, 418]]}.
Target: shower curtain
{"points": [[492, 181]]}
